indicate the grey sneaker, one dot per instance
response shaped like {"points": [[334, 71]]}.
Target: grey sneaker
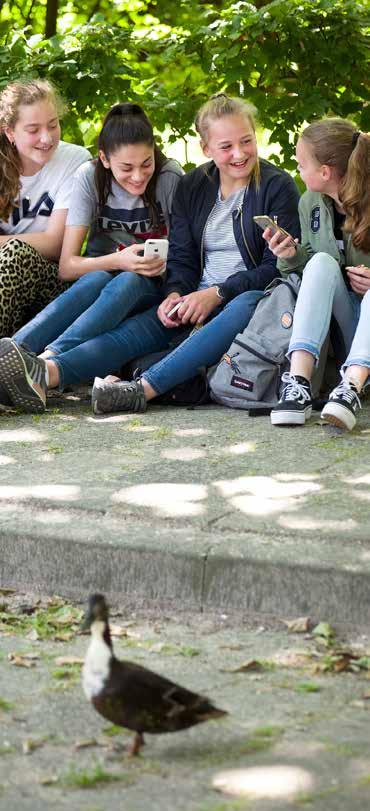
{"points": [[22, 377], [295, 404], [121, 396], [340, 410]]}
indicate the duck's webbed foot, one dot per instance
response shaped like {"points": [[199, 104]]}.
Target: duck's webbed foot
{"points": [[137, 742]]}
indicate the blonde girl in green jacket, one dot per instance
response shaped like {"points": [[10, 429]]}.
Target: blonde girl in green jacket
{"points": [[334, 256]]}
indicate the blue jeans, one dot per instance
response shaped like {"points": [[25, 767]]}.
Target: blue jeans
{"points": [[205, 346], [144, 333], [322, 294], [95, 304]]}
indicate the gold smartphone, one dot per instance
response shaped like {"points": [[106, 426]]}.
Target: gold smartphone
{"points": [[266, 222]]}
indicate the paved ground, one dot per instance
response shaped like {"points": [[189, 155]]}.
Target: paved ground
{"points": [[297, 734], [207, 529], [199, 509]]}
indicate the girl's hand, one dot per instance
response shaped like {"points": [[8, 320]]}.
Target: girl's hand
{"points": [[196, 307], [132, 259], [359, 278], [279, 245], [165, 307]]}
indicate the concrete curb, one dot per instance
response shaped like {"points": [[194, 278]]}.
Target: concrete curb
{"points": [[140, 577]]}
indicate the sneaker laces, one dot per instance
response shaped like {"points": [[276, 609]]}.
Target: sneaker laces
{"points": [[345, 391], [293, 390]]}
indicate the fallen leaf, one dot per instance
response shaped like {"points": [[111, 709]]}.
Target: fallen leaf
{"points": [[48, 780], [298, 626], [25, 660], [86, 743], [323, 629], [68, 660], [64, 637], [5, 592], [30, 745], [246, 667], [64, 619]]}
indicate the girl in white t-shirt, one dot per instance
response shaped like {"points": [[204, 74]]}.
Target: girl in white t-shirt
{"points": [[118, 201], [36, 171]]}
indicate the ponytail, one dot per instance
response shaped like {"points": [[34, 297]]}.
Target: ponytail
{"points": [[355, 193], [127, 124]]}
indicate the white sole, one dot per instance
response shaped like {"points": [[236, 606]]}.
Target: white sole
{"points": [[338, 415], [290, 417]]}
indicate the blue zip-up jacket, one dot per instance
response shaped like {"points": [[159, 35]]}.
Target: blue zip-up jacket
{"points": [[196, 194]]}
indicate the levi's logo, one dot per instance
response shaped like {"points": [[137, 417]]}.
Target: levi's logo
{"points": [[241, 383]]}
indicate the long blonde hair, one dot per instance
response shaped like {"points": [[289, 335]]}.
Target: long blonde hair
{"points": [[337, 142], [217, 107], [12, 97]]}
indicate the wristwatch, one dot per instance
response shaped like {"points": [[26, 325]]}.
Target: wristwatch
{"points": [[220, 294]]}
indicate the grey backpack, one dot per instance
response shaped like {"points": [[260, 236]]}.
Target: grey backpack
{"points": [[248, 374]]}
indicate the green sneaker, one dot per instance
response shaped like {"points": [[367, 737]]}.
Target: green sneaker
{"points": [[22, 376], [121, 396]]}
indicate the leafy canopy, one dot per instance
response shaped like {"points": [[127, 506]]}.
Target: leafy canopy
{"points": [[295, 60]]}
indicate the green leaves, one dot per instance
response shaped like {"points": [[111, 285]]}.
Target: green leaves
{"points": [[294, 59]]}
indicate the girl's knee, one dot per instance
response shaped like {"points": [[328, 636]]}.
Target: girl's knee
{"points": [[323, 269], [98, 279], [322, 262]]}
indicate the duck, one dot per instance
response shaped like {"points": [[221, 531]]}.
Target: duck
{"points": [[130, 695]]}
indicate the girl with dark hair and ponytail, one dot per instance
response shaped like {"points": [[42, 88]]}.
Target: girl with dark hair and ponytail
{"points": [[36, 171], [118, 201], [334, 162]]}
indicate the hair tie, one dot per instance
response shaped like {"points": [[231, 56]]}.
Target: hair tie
{"points": [[355, 138]]}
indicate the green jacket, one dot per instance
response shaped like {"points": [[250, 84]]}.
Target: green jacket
{"points": [[317, 234]]}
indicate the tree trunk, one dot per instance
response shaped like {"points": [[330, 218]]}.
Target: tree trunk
{"points": [[51, 18]]}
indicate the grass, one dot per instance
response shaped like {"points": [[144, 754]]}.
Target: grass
{"points": [[84, 778], [7, 750], [67, 676], [307, 687], [46, 621], [6, 705]]}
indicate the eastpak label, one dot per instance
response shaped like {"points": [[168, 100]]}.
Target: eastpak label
{"points": [[241, 383]]}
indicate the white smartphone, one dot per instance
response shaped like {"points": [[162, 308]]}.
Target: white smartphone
{"points": [[156, 248], [266, 222], [174, 309]]}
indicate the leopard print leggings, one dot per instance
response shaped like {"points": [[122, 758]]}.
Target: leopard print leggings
{"points": [[28, 282]]}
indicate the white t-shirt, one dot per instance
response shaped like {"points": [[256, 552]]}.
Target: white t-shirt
{"points": [[46, 191], [125, 217]]}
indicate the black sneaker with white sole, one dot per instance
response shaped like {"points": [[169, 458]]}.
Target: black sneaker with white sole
{"points": [[124, 395], [22, 377], [340, 410], [295, 404]]}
